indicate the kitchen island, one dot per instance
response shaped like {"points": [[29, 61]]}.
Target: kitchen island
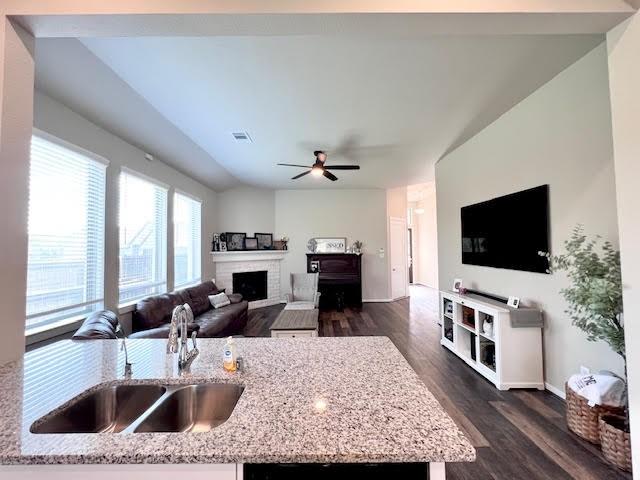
{"points": [[305, 400]]}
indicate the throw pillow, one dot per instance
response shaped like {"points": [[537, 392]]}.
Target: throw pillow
{"points": [[219, 300]]}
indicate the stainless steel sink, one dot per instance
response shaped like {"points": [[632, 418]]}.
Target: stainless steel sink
{"points": [[194, 408], [145, 408], [109, 409]]}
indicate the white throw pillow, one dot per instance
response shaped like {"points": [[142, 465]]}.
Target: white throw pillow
{"points": [[219, 300]]}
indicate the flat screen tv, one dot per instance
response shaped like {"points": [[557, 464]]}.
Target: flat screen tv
{"points": [[508, 232]]}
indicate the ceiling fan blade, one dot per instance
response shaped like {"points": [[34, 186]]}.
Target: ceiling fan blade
{"points": [[301, 175], [292, 165], [330, 176], [342, 167]]}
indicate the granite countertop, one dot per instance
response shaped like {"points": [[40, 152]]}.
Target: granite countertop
{"points": [[377, 409]]}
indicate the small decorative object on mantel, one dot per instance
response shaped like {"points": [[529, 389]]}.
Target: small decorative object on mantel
{"points": [[312, 245], [331, 245], [457, 285], [223, 242], [215, 243], [595, 306], [357, 246], [265, 241], [251, 243], [235, 241], [285, 241]]}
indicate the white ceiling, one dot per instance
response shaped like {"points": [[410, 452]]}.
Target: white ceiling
{"points": [[394, 104]]}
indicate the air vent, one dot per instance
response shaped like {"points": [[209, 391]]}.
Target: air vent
{"points": [[242, 137]]}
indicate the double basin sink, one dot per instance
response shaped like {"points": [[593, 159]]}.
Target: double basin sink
{"points": [[145, 408]]}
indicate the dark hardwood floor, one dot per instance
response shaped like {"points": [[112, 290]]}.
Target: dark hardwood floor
{"points": [[519, 434]]}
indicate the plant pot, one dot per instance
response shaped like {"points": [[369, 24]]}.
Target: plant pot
{"points": [[615, 441]]}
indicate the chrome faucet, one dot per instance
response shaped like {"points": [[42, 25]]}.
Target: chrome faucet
{"points": [[181, 317], [127, 365]]}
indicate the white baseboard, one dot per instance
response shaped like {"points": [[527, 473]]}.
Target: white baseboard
{"points": [[377, 300], [555, 391]]}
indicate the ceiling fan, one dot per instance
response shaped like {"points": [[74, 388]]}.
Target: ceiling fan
{"points": [[319, 169]]}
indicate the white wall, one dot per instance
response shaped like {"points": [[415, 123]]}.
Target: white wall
{"points": [[561, 136], [624, 76], [357, 214], [246, 209], [425, 238], [16, 110], [56, 119]]}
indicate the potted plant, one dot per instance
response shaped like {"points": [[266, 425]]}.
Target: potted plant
{"points": [[357, 246], [595, 307]]}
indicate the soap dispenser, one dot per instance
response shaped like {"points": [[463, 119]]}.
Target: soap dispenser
{"points": [[230, 355]]}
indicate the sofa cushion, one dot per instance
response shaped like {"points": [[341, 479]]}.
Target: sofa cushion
{"points": [[217, 322], [153, 312], [198, 297]]}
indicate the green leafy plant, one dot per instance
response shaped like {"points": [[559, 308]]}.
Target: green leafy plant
{"points": [[595, 293]]}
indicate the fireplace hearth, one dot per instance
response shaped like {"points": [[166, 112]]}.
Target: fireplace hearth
{"points": [[252, 285]]}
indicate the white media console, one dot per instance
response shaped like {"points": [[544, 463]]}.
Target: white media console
{"points": [[511, 356]]}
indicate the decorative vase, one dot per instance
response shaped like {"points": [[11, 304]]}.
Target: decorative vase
{"points": [[615, 441], [487, 328]]}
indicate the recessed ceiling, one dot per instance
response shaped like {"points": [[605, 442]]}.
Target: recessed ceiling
{"points": [[392, 104]]}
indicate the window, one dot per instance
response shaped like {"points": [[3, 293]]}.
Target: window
{"points": [[187, 243], [65, 269], [143, 237]]}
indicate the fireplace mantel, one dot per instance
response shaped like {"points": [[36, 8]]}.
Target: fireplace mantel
{"points": [[248, 256]]}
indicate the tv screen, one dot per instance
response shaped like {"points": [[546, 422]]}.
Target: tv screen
{"points": [[508, 232]]}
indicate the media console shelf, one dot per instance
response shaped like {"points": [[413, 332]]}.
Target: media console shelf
{"points": [[511, 357]]}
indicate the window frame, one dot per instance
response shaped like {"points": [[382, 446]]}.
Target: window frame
{"points": [[63, 324], [193, 281], [124, 304]]}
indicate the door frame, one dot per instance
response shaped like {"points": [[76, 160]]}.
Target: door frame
{"points": [[401, 222]]}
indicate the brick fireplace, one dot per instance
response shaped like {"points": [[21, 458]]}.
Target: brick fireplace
{"points": [[250, 262]]}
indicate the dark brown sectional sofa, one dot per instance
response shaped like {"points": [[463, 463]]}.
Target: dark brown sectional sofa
{"points": [[152, 316]]}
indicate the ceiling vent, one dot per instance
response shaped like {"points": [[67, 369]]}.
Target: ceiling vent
{"points": [[241, 137]]}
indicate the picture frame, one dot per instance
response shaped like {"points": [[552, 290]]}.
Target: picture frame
{"points": [[331, 244], [265, 240], [314, 266], [513, 302], [457, 285], [235, 241], [251, 243]]}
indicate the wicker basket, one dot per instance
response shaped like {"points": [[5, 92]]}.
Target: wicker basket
{"points": [[583, 419], [616, 443]]}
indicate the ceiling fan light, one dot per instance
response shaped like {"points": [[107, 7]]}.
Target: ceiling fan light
{"points": [[317, 171]]}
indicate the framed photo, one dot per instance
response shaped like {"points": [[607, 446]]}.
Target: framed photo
{"points": [[457, 285], [235, 241], [513, 302], [314, 266], [331, 245], [251, 243], [265, 240]]}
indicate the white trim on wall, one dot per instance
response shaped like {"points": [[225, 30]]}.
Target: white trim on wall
{"points": [[555, 391]]}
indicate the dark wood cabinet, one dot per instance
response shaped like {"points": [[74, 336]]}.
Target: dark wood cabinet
{"points": [[340, 279]]}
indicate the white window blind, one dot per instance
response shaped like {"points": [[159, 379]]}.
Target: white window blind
{"points": [[65, 271], [143, 237], [187, 243]]}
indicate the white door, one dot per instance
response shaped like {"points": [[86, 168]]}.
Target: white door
{"points": [[398, 256]]}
